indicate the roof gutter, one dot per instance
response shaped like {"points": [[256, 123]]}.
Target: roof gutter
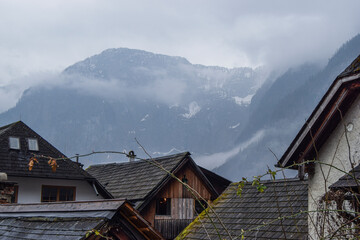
{"points": [[96, 191]]}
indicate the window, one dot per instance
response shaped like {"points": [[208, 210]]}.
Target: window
{"points": [[57, 194], [33, 144], [163, 206], [14, 142], [198, 207]]}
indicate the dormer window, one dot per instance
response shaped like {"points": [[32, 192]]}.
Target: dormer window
{"points": [[33, 144], [14, 142]]}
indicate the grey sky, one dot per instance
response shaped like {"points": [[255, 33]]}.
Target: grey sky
{"points": [[40, 35]]}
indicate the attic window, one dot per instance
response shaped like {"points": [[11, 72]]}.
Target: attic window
{"points": [[33, 144], [163, 206], [14, 142]]}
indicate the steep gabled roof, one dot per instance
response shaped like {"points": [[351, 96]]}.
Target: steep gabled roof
{"points": [[325, 117], [256, 213], [72, 220], [141, 180], [15, 162], [220, 183]]}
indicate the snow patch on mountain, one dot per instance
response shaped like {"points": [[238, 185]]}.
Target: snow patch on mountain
{"points": [[245, 101], [144, 118], [235, 126], [193, 109]]}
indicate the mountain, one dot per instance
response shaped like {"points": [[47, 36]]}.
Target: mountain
{"points": [[231, 120], [170, 105], [278, 111]]}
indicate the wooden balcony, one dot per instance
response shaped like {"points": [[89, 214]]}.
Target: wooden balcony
{"points": [[170, 228]]}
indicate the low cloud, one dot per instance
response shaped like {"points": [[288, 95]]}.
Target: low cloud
{"points": [[217, 159]]}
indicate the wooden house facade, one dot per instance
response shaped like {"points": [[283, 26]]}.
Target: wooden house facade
{"points": [[163, 200]]}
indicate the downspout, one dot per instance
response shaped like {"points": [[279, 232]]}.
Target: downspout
{"points": [[95, 189]]}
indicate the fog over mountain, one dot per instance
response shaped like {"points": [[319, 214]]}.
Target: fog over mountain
{"points": [[167, 103], [227, 118]]}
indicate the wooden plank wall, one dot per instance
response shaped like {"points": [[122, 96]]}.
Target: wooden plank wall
{"points": [[180, 208], [170, 228], [175, 189]]}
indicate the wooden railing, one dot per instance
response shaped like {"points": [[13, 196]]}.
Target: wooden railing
{"points": [[170, 228]]}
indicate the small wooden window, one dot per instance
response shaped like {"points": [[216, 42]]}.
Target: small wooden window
{"points": [[163, 206], [57, 194], [33, 144], [14, 142]]}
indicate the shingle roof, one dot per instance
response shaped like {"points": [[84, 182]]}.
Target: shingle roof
{"points": [[46, 228], [15, 162], [69, 220], [353, 68], [255, 211], [134, 180], [347, 181], [139, 180]]}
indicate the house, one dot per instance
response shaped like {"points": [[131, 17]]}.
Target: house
{"points": [[161, 199], [90, 220], [326, 148], [252, 214], [19, 145]]}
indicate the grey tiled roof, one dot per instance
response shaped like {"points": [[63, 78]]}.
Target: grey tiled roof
{"points": [[44, 228], [15, 162], [353, 68], [135, 180], [55, 221], [347, 181], [256, 213]]}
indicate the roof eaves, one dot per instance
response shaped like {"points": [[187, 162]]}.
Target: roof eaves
{"points": [[204, 178], [337, 88], [163, 182], [100, 188]]}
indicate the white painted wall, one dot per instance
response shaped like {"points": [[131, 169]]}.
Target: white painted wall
{"points": [[335, 152], [30, 188]]}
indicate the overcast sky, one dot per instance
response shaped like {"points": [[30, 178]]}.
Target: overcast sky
{"points": [[41, 36]]}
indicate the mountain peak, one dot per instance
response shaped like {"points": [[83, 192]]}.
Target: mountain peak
{"points": [[112, 62]]}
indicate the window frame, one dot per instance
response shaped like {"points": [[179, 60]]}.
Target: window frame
{"points": [[37, 144], [18, 143], [58, 188]]}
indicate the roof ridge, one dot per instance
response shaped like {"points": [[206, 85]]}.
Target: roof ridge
{"points": [[144, 160], [8, 126], [280, 180]]}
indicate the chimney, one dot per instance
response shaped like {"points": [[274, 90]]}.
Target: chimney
{"points": [[131, 155], [77, 161]]}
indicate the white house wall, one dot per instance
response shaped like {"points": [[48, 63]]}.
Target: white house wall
{"points": [[30, 188], [334, 152]]}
